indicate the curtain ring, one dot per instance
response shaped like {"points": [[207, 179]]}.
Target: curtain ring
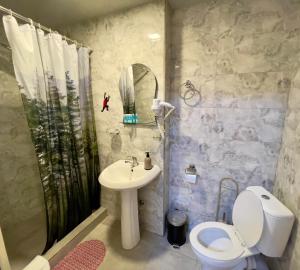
{"points": [[39, 26], [10, 12]]}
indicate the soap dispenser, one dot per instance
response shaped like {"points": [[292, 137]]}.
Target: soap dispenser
{"points": [[147, 162]]}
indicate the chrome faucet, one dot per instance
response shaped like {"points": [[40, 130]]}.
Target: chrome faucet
{"points": [[132, 160]]}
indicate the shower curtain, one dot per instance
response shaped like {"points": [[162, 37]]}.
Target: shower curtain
{"points": [[54, 81]]}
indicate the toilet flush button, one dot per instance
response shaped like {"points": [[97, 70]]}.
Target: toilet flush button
{"points": [[266, 197]]}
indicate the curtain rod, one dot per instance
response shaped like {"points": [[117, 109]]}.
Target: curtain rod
{"points": [[38, 25]]}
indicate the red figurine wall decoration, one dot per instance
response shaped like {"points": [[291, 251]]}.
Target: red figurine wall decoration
{"points": [[105, 102]]}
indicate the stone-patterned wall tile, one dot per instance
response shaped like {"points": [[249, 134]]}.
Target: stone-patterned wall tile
{"points": [[266, 52], [294, 97], [22, 195], [259, 16], [119, 40], [203, 17], [236, 129], [287, 185]]}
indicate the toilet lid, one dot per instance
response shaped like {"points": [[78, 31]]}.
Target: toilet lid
{"points": [[248, 217]]}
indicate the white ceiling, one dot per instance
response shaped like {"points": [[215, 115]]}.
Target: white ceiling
{"points": [[59, 12]]}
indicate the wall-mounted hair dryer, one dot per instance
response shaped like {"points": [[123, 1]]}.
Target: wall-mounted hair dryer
{"points": [[157, 107]]}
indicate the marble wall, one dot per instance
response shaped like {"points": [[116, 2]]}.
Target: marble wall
{"points": [[241, 55], [119, 40], [21, 196], [287, 183]]}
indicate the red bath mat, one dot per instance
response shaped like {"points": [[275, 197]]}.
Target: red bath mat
{"points": [[87, 255]]}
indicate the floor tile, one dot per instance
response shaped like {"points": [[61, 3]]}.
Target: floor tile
{"points": [[152, 252]]}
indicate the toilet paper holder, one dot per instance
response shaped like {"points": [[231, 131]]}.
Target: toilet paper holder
{"points": [[191, 170]]}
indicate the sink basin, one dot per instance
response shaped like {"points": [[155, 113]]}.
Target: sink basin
{"points": [[121, 176]]}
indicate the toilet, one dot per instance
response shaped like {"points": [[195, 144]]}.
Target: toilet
{"points": [[38, 263], [261, 225]]}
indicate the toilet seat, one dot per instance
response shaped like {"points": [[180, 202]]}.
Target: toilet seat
{"points": [[217, 241]]}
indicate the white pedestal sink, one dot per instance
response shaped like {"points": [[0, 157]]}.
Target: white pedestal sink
{"points": [[120, 176]]}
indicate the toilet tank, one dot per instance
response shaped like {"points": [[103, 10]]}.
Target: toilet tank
{"points": [[278, 223]]}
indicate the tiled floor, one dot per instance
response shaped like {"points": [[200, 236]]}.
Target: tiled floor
{"points": [[152, 253]]}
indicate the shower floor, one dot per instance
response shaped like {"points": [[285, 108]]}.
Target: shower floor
{"points": [[24, 241], [152, 252]]}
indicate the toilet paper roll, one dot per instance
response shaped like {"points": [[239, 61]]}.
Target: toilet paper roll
{"points": [[38, 263], [190, 178]]}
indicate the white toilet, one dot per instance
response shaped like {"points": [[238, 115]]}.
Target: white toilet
{"points": [[38, 263], [261, 224]]}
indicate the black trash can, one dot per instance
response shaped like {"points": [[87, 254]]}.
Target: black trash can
{"points": [[176, 224]]}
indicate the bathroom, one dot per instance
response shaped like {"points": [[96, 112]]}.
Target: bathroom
{"points": [[218, 112]]}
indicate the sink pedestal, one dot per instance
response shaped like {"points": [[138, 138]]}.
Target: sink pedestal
{"points": [[129, 218], [123, 177]]}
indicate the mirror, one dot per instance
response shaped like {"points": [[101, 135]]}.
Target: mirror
{"points": [[138, 87]]}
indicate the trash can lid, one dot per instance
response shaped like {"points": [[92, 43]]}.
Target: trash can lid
{"points": [[177, 218]]}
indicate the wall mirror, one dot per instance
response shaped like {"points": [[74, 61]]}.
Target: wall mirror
{"points": [[138, 87]]}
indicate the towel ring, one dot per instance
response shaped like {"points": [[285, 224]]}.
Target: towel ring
{"points": [[191, 96]]}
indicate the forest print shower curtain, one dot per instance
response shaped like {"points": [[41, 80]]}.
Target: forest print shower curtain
{"points": [[54, 81]]}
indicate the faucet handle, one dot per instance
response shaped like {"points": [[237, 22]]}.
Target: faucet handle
{"points": [[135, 161], [132, 160]]}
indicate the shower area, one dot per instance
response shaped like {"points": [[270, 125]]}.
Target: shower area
{"points": [[48, 149], [22, 207]]}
